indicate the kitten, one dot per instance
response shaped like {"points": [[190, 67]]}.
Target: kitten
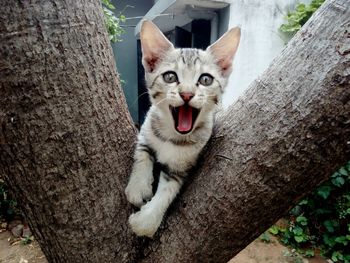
{"points": [[185, 87]]}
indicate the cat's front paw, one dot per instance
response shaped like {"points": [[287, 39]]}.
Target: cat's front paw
{"points": [[138, 191], [145, 222]]}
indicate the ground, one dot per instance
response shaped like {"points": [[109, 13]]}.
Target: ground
{"points": [[256, 252], [272, 252], [17, 252]]}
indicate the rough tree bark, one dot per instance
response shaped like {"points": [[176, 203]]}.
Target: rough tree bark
{"points": [[66, 138], [66, 134]]}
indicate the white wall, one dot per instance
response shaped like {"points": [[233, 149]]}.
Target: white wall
{"points": [[260, 40]]}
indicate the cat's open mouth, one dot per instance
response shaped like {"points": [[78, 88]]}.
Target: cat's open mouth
{"points": [[184, 117]]}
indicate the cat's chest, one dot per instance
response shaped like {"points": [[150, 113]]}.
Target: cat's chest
{"points": [[177, 153], [176, 157]]}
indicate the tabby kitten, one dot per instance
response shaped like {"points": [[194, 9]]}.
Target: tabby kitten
{"points": [[185, 87]]}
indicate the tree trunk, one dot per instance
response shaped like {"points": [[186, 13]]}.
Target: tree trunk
{"points": [[66, 139], [66, 135]]}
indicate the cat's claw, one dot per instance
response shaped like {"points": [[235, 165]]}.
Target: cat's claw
{"points": [[138, 191], [145, 222]]}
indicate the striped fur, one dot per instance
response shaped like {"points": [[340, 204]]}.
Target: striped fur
{"points": [[158, 141]]}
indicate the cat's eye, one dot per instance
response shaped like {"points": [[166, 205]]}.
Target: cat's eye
{"points": [[170, 77], [205, 79]]}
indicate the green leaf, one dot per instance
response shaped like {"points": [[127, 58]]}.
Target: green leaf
{"points": [[297, 230], [328, 240], [338, 181], [337, 255], [265, 237], [286, 237], [303, 202], [274, 230], [299, 17], [347, 166], [301, 7], [334, 257], [302, 220], [343, 171], [322, 211], [108, 4], [299, 239], [122, 18], [112, 21], [330, 225], [309, 253], [342, 239], [290, 28], [324, 191], [336, 174]]}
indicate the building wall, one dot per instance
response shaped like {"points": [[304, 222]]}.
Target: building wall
{"points": [[125, 51], [260, 40], [260, 43]]}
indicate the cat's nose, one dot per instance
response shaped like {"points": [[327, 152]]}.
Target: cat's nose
{"points": [[186, 96]]}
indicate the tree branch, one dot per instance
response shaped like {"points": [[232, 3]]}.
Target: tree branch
{"points": [[287, 134], [66, 139]]}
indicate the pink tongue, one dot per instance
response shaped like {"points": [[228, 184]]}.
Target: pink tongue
{"points": [[185, 119]]}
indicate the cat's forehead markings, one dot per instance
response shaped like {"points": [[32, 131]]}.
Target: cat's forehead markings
{"points": [[182, 56], [197, 59], [189, 56]]}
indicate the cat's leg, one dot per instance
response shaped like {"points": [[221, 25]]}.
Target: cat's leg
{"points": [[139, 188], [146, 221]]}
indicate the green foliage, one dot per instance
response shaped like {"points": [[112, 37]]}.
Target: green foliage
{"points": [[7, 205], [112, 21], [27, 240], [274, 230], [322, 220], [293, 256], [265, 237], [297, 18]]}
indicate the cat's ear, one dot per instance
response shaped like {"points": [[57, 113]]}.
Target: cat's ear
{"points": [[224, 49], [154, 44]]}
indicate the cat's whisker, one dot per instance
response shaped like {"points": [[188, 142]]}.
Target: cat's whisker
{"points": [[160, 101], [137, 99]]}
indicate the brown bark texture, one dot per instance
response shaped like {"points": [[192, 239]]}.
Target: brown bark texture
{"points": [[66, 138], [66, 135]]}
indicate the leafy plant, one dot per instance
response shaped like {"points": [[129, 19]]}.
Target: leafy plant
{"points": [[27, 240], [265, 237], [113, 21], [322, 220], [294, 256], [297, 18], [7, 205]]}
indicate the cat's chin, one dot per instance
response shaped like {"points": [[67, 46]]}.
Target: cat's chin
{"points": [[184, 118]]}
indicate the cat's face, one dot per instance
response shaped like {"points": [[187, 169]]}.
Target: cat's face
{"points": [[185, 84]]}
